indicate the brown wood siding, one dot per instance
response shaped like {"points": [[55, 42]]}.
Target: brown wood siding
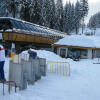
{"points": [[27, 38]]}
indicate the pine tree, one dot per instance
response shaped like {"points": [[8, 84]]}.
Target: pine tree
{"points": [[9, 8], [78, 16], [84, 11], [52, 14], [69, 15], [2, 9], [46, 13], [60, 15], [66, 18], [84, 7], [36, 16], [25, 10], [94, 21]]}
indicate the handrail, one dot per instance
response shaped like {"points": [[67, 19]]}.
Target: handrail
{"points": [[59, 66]]}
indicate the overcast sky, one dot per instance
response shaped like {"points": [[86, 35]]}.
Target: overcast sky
{"points": [[94, 7]]}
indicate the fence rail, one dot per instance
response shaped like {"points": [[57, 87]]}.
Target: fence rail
{"points": [[62, 68]]}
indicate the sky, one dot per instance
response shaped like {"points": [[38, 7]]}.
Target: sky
{"points": [[94, 7]]}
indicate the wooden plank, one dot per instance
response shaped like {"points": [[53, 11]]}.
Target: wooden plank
{"points": [[27, 38]]}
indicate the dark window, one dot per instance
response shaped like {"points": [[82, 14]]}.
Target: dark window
{"points": [[62, 52], [55, 50], [5, 24]]}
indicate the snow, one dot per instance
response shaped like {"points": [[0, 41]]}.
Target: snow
{"points": [[50, 56], [80, 40], [9, 30], [38, 28], [97, 32], [83, 84], [88, 31]]}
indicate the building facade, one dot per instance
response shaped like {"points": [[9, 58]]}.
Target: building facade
{"points": [[85, 46]]}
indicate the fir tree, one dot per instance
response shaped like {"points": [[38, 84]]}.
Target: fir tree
{"points": [[94, 21], [84, 7], [10, 8], [84, 11], [52, 14], [69, 16], [60, 15], [78, 16], [67, 19], [46, 13], [24, 12], [36, 16]]}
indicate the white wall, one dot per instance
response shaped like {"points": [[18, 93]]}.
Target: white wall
{"points": [[89, 54], [58, 51], [59, 48], [66, 52]]}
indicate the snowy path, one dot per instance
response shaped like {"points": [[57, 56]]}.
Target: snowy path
{"points": [[84, 84]]}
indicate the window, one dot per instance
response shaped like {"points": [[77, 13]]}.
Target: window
{"points": [[55, 50], [62, 52], [84, 54]]}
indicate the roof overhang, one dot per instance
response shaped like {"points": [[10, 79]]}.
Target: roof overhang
{"points": [[77, 47]]}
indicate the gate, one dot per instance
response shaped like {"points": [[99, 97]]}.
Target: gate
{"points": [[62, 68]]}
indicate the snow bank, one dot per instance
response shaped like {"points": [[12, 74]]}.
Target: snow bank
{"points": [[83, 84], [49, 56]]}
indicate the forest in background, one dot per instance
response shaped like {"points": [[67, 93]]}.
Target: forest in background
{"points": [[94, 21], [49, 13]]}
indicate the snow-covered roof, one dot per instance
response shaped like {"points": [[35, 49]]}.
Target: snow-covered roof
{"points": [[19, 25], [80, 40]]}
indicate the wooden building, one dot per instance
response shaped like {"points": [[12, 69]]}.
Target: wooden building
{"points": [[89, 46], [22, 32]]}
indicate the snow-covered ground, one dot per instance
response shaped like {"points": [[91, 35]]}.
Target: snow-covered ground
{"points": [[83, 84], [97, 32], [88, 31]]}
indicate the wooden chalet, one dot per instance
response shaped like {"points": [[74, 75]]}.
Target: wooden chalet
{"points": [[89, 46]]}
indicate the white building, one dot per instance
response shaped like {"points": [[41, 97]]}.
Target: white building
{"points": [[89, 46]]}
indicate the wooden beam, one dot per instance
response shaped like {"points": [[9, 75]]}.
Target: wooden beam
{"points": [[78, 47], [27, 38]]}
